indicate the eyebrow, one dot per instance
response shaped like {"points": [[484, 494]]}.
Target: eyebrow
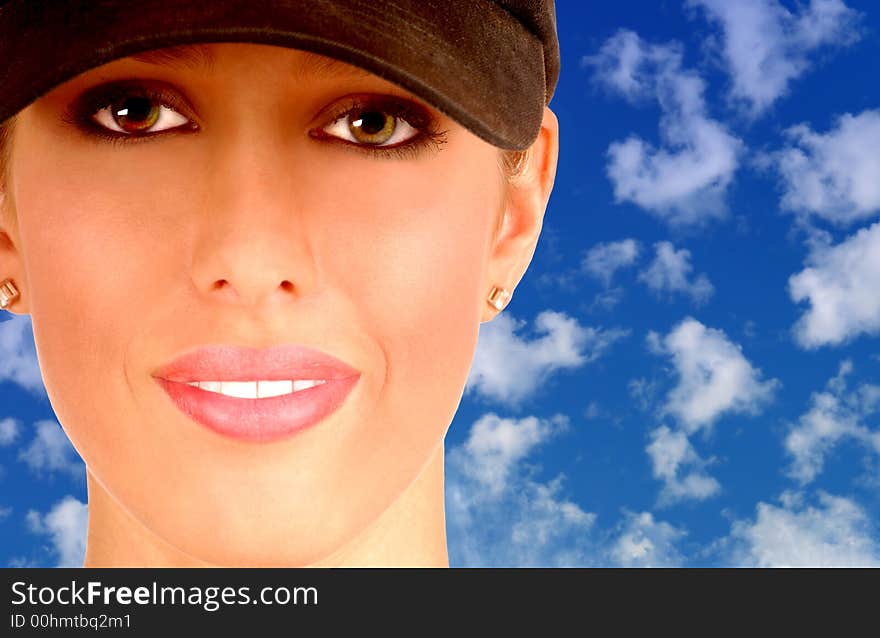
{"points": [[198, 57]]}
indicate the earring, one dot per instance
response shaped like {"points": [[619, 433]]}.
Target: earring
{"points": [[498, 297], [8, 293]]}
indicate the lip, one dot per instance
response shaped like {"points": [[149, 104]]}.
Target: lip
{"points": [[263, 419]]}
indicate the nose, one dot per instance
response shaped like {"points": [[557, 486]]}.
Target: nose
{"points": [[253, 245]]}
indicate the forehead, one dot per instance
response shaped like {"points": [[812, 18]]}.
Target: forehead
{"points": [[201, 57]]}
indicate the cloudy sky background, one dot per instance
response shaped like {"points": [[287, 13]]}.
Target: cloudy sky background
{"points": [[688, 372]]}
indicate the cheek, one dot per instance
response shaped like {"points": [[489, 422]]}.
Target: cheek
{"points": [[93, 252], [416, 269]]}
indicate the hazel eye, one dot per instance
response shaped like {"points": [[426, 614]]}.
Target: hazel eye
{"points": [[372, 127], [129, 111], [382, 126], [136, 114]]}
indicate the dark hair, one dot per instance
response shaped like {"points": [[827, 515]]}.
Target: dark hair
{"points": [[513, 163], [5, 148]]}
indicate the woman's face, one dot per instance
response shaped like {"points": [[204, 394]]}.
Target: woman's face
{"points": [[266, 224]]}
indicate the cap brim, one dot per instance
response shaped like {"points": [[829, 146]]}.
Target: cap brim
{"points": [[471, 60]]}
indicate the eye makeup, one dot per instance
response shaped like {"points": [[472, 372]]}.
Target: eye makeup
{"points": [[81, 114]]}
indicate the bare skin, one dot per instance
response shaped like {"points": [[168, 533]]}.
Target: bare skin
{"points": [[251, 231]]}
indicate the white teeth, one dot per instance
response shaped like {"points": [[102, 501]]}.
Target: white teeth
{"points": [[306, 384], [274, 388], [256, 389], [239, 389]]}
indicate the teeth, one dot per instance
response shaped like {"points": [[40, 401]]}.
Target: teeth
{"points": [[210, 386], [305, 384], [256, 389], [274, 388]]}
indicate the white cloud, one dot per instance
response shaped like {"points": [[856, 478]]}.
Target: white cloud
{"points": [[642, 391], [500, 514], [834, 415], [509, 368], [592, 411], [669, 272], [9, 430], [603, 260], [834, 534], [4, 512], [670, 452], [497, 513], [832, 175], [18, 354], [766, 45], [51, 451], [842, 284], [624, 64], [684, 182], [645, 542], [714, 376], [495, 445], [549, 518], [607, 299], [66, 524], [21, 561]]}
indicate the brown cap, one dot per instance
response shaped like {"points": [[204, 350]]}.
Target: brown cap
{"points": [[491, 65]]}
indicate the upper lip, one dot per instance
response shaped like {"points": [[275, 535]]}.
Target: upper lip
{"points": [[239, 363]]}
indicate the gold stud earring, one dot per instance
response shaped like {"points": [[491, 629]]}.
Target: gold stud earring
{"points": [[498, 297], [8, 293]]}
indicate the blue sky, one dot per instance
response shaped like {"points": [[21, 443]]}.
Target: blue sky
{"points": [[688, 372]]}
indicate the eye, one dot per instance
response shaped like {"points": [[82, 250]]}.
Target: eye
{"points": [[372, 126], [128, 111], [136, 114], [379, 123]]}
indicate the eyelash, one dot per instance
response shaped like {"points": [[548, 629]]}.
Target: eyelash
{"points": [[80, 113]]}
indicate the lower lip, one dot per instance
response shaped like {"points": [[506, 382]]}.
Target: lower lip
{"points": [[262, 420]]}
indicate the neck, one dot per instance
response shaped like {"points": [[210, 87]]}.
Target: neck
{"points": [[411, 532]]}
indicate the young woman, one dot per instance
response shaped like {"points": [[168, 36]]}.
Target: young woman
{"points": [[256, 241]]}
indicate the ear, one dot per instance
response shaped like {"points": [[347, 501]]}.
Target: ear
{"points": [[11, 266], [526, 200]]}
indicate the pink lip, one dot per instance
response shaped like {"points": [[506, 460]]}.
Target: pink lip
{"points": [[265, 419]]}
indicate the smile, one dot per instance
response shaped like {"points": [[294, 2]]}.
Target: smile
{"points": [[257, 394]]}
